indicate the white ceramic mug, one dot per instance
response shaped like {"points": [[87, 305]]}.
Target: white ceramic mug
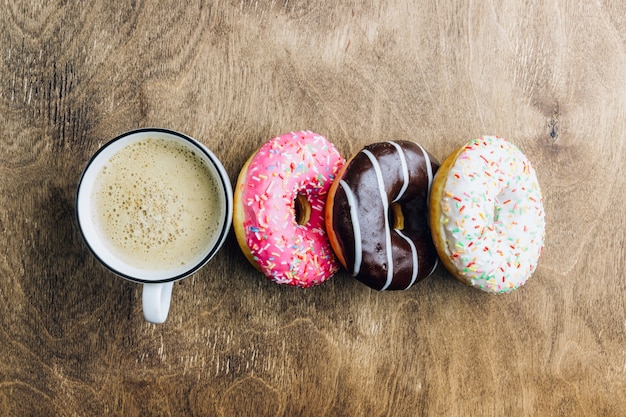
{"points": [[165, 207]]}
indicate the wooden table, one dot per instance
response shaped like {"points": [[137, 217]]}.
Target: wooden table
{"points": [[549, 76]]}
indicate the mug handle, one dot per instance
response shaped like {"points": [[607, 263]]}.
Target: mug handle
{"points": [[156, 300]]}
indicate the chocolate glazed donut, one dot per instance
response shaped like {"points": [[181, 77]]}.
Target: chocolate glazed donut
{"points": [[377, 215]]}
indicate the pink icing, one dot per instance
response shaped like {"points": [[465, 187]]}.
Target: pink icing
{"points": [[294, 163]]}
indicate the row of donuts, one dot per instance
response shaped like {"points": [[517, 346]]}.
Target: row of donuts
{"points": [[389, 213]]}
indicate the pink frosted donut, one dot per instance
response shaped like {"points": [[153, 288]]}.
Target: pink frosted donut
{"points": [[279, 204]]}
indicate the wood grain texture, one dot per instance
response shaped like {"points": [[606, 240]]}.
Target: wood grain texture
{"points": [[549, 76]]}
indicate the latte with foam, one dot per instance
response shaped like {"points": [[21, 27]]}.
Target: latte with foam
{"points": [[158, 205]]}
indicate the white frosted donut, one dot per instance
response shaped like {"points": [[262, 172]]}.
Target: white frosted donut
{"points": [[487, 217]]}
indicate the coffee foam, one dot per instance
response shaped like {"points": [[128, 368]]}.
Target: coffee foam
{"points": [[157, 204]]}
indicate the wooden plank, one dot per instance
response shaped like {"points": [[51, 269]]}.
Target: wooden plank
{"points": [[549, 76]]}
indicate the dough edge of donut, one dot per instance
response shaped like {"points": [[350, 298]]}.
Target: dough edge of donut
{"points": [[328, 214], [238, 213], [434, 212]]}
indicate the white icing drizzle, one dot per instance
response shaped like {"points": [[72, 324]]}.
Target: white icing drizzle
{"points": [[405, 170], [356, 227], [429, 168], [383, 196], [434, 267], [413, 256]]}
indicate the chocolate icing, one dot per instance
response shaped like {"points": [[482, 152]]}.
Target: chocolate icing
{"points": [[376, 224]]}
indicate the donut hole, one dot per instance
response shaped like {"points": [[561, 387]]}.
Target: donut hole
{"points": [[397, 217], [303, 209]]}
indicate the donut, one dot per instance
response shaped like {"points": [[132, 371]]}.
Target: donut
{"points": [[279, 203], [486, 214], [377, 215]]}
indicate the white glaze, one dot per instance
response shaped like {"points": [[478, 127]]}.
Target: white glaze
{"points": [[354, 217], [383, 197], [405, 171], [413, 256]]}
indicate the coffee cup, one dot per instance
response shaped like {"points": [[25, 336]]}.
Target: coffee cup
{"points": [[154, 206]]}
